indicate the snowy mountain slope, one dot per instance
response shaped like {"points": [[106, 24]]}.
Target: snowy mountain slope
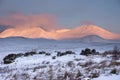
{"points": [[86, 30], [78, 32], [27, 32]]}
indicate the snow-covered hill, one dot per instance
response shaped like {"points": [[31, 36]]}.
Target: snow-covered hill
{"points": [[86, 30], [27, 32], [78, 32]]}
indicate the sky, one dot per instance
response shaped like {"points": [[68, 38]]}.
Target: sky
{"points": [[64, 13]]}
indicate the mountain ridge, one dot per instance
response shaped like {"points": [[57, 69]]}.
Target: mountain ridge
{"points": [[77, 32], [85, 30]]}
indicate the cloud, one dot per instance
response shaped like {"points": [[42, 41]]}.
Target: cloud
{"points": [[44, 21], [2, 28]]}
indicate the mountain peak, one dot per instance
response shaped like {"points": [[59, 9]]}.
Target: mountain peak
{"points": [[86, 30], [90, 27]]}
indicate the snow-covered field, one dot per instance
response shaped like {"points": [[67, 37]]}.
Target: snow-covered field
{"points": [[67, 67]]}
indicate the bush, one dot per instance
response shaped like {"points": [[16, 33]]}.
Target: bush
{"points": [[54, 57], [114, 71], [95, 75], [88, 51], [69, 52], [79, 74], [115, 53], [59, 54], [9, 58], [42, 52], [64, 53], [19, 55], [30, 53], [47, 54], [93, 51]]}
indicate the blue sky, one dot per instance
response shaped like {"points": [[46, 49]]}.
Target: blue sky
{"points": [[70, 13]]}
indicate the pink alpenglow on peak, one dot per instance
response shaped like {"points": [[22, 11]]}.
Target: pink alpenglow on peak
{"points": [[78, 32], [86, 30]]}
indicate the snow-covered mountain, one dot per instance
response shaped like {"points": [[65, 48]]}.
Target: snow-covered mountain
{"points": [[86, 30], [78, 32], [26, 32]]}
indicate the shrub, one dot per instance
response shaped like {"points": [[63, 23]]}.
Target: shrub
{"points": [[19, 55], [70, 64], [82, 52], [69, 52], [58, 53], [9, 58], [115, 53], [88, 51], [42, 52], [114, 71], [47, 54], [114, 63], [93, 51], [30, 53], [79, 74], [54, 57], [64, 53], [95, 75]]}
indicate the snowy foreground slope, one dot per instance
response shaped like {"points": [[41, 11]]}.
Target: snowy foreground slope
{"points": [[67, 67]]}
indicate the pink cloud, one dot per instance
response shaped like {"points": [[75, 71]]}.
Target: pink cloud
{"points": [[44, 21]]}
